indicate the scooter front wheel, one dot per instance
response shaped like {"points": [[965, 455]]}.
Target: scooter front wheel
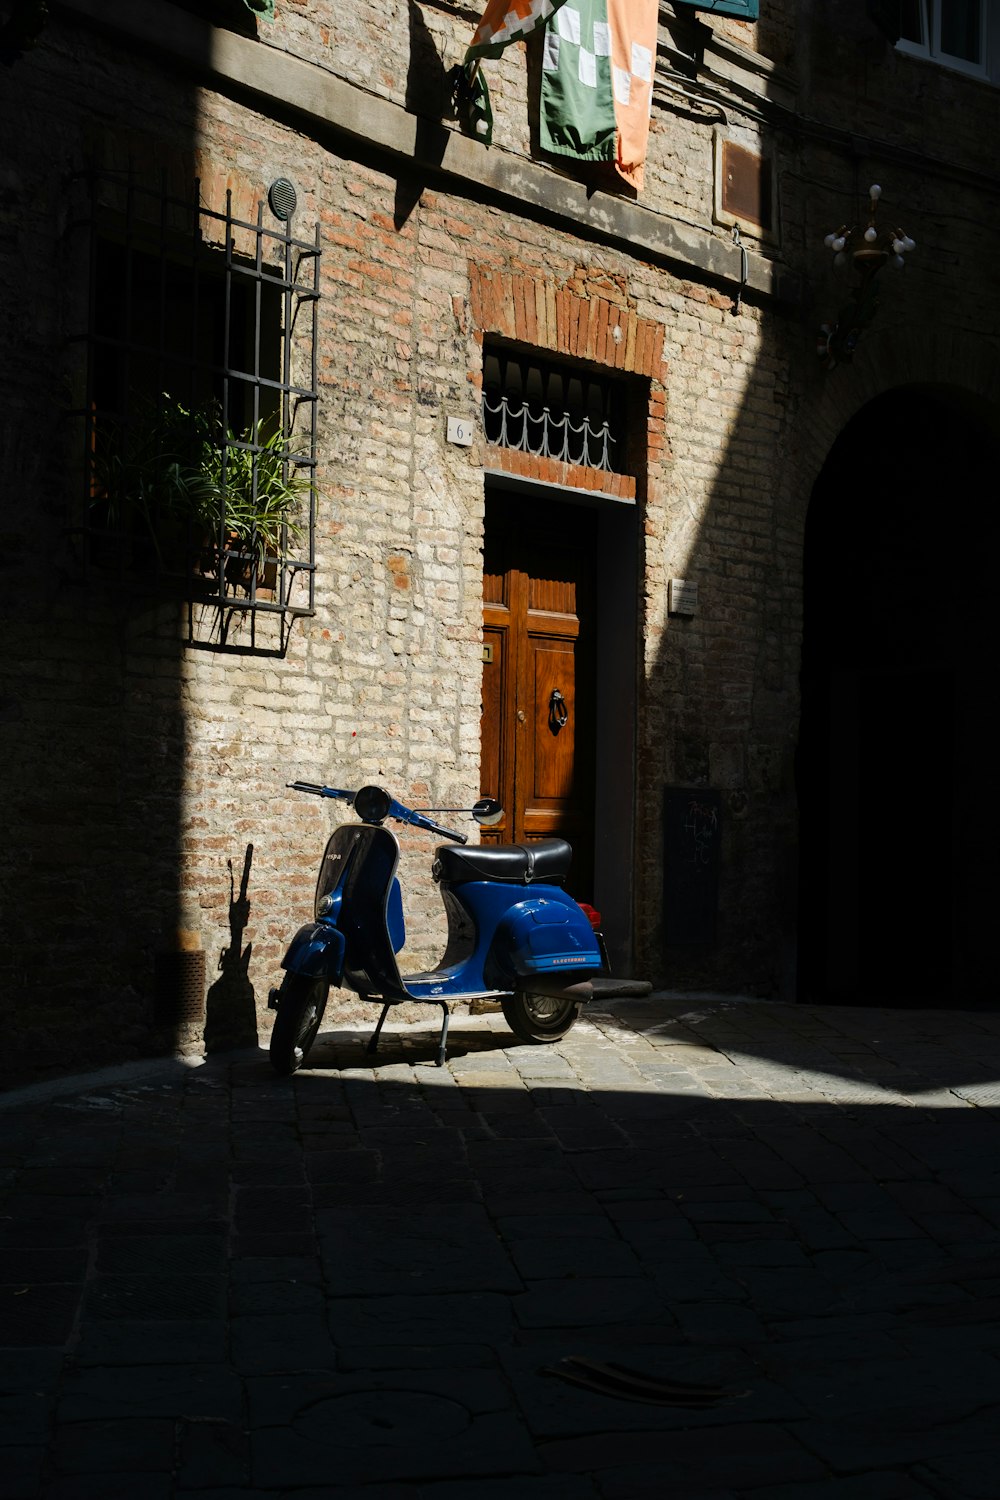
{"points": [[301, 1003], [539, 1018]]}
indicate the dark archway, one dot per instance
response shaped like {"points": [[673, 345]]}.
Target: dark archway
{"points": [[896, 754]]}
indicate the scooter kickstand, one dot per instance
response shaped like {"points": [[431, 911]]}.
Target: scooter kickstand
{"points": [[373, 1044], [443, 1042]]}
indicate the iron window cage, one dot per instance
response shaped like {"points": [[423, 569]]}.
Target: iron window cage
{"points": [[199, 397], [552, 410]]}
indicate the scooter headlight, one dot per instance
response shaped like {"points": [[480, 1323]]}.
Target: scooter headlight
{"points": [[372, 804], [324, 906]]}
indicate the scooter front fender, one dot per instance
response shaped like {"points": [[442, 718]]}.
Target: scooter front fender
{"points": [[317, 951]]}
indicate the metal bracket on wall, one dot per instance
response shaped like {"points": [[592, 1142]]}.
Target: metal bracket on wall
{"points": [[744, 269]]}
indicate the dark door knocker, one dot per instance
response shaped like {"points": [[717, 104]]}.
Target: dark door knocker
{"points": [[558, 712]]}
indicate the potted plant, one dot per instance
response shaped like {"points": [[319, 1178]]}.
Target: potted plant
{"points": [[262, 500], [152, 487], [169, 479]]}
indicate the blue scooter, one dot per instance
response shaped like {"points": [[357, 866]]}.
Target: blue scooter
{"points": [[514, 935]]}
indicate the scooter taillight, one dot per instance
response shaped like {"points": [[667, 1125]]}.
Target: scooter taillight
{"points": [[593, 916]]}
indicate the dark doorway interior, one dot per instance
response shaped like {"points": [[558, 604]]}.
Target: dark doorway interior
{"points": [[896, 758]]}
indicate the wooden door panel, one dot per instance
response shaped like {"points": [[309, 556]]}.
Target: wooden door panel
{"points": [[538, 568], [495, 585], [553, 670], [554, 591], [497, 729], [493, 747]]}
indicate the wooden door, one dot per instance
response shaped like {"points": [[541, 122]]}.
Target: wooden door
{"points": [[538, 714]]}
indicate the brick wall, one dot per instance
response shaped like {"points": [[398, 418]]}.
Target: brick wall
{"points": [[142, 770]]}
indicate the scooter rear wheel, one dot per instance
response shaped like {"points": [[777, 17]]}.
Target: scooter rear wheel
{"points": [[538, 1018], [301, 1003]]}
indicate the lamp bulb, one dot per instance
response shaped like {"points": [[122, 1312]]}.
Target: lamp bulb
{"points": [[840, 260], [828, 241], [875, 191], [838, 243], [909, 244], [897, 262], [898, 246], [871, 233]]}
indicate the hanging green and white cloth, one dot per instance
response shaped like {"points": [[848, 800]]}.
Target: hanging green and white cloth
{"points": [[577, 112], [597, 82]]}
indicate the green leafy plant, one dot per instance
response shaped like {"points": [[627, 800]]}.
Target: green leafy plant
{"points": [[170, 475], [152, 474], [262, 496]]}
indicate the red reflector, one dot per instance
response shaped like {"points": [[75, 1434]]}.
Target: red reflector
{"points": [[593, 917]]}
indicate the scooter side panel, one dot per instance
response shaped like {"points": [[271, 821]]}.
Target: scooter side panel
{"points": [[543, 935], [544, 932]]}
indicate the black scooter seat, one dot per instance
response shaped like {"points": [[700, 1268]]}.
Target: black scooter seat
{"points": [[544, 861]]}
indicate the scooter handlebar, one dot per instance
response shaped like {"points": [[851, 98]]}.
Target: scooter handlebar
{"points": [[394, 810], [420, 820], [319, 791]]}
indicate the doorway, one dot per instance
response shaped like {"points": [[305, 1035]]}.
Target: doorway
{"points": [[895, 749], [539, 638], [560, 633]]}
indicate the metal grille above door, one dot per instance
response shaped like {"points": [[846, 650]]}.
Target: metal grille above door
{"points": [[552, 410]]}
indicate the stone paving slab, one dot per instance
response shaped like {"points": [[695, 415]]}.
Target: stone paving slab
{"points": [[356, 1282]]}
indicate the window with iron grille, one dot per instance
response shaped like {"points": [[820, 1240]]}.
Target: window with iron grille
{"points": [[199, 398], [553, 411]]}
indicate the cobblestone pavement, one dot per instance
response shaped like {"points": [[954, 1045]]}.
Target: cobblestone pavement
{"points": [[219, 1283]]}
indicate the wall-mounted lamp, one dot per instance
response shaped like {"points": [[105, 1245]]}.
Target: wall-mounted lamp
{"points": [[865, 251]]}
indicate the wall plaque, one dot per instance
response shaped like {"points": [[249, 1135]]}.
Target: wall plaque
{"points": [[682, 597], [691, 859]]}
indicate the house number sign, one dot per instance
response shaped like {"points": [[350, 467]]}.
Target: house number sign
{"points": [[460, 431]]}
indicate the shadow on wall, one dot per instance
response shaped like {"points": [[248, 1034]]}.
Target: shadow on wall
{"points": [[721, 694], [97, 950], [859, 867], [898, 814], [230, 1009], [427, 99]]}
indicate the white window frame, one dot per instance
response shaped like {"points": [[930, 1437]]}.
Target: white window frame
{"points": [[929, 46]]}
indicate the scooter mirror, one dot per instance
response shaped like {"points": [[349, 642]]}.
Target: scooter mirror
{"points": [[487, 811]]}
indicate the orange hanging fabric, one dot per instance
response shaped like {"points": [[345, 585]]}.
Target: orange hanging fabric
{"points": [[633, 25]]}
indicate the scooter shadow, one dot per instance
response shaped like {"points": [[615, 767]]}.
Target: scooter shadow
{"points": [[348, 1049]]}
